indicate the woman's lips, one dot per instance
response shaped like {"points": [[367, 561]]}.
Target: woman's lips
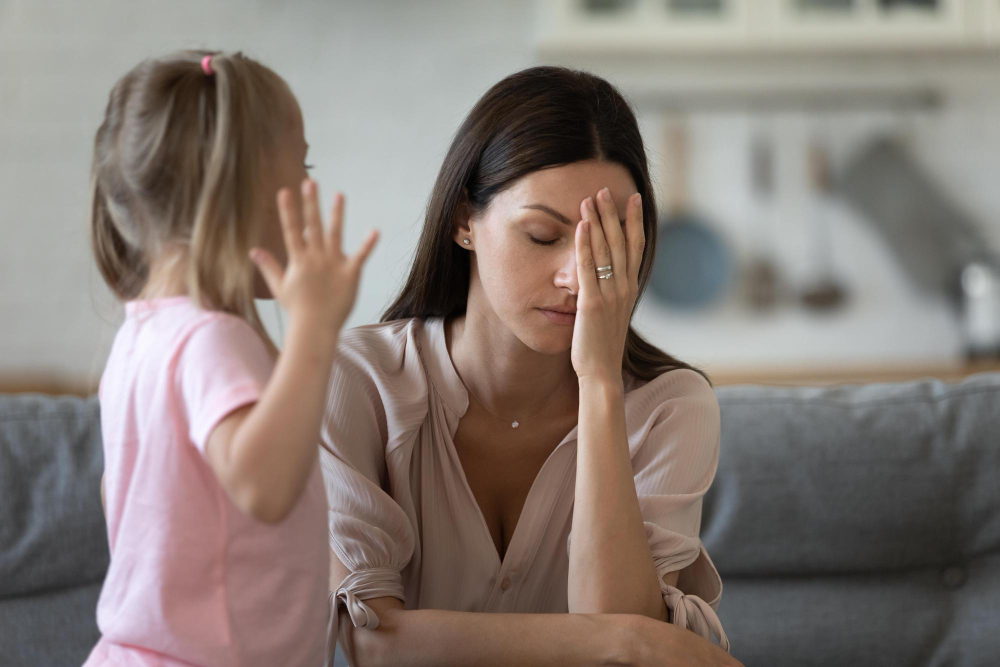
{"points": [[559, 318]]}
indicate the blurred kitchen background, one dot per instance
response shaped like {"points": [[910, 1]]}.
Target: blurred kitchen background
{"points": [[828, 170]]}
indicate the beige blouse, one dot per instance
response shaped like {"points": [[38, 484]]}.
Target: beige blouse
{"points": [[405, 522]]}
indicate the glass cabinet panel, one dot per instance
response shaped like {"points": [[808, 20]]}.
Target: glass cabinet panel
{"points": [[639, 24], [993, 22], [871, 23], [752, 25]]}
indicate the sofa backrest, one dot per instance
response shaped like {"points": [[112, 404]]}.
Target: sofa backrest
{"points": [[851, 525], [859, 524], [52, 532]]}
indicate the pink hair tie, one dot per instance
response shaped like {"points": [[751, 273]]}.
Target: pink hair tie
{"points": [[206, 65]]}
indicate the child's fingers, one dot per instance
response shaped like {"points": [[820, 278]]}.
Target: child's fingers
{"points": [[336, 223], [269, 267], [310, 211], [291, 223], [361, 256]]}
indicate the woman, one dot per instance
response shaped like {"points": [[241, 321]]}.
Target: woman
{"points": [[505, 388]]}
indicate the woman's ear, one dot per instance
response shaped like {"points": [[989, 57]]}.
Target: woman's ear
{"points": [[462, 227]]}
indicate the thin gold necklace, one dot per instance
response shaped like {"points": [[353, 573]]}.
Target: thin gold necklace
{"points": [[515, 423]]}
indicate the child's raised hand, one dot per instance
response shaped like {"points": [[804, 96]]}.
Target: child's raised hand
{"points": [[319, 281]]}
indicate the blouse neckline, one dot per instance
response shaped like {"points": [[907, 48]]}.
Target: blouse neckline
{"points": [[445, 378]]}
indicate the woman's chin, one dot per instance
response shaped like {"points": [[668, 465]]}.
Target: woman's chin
{"points": [[550, 339]]}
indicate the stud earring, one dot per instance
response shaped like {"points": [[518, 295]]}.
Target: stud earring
{"points": [[465, 241]]}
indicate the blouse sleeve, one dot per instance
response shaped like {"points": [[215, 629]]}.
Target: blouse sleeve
{"points": [[368, 530], [674, 465]]}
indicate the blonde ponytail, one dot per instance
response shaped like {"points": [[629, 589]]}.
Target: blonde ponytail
{"points": [[178, 163]]}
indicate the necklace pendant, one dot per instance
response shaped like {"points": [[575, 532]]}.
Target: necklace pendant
{"points": [[514, 425]]}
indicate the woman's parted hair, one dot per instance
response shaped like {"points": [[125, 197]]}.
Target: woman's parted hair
{"points": [[534, 119], [177, 164]]}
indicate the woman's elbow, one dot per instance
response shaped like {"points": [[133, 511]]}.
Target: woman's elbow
{"points": [[365, 647]]}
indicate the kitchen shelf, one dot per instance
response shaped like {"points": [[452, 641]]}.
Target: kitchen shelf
{"points": [[803, 99], [846, 375]]}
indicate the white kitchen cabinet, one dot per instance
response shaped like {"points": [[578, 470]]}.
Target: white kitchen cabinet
{"points": [[747, 26], [992, 22], [642, 25], [871, 24]]}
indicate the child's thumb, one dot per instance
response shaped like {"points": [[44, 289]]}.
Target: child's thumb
{"points": [[269, 268]]}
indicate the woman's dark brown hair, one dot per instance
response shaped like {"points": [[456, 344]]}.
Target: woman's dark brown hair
{"points": [[534, 119]]}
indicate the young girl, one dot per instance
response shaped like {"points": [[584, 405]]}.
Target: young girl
{"points": [[215, 506]]}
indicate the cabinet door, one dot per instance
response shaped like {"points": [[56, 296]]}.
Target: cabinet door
{"points": [[657, 25], [993, 21], [875, 24]]}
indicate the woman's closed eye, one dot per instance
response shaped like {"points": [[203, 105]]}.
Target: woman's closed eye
{"points": [[541, 241]]}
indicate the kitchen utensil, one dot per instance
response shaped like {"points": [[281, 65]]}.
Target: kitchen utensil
{"points": [[929, 235], [824, 292], [979, 284], [692, 264], [762, 279]]}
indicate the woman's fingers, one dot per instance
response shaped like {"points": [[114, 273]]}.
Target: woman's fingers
{"points": [[598, 245], [614, 237], [291, 222], [635, 237], [584, 261], [310, 211]]}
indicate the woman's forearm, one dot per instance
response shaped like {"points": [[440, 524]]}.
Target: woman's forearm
{"points": [[610, 565], [440, 638]]}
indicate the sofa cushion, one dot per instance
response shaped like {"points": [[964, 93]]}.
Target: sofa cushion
{"points": [[55, 629], [917, 618], [52, 531]]}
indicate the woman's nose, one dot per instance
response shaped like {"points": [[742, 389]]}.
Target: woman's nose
{"points": [[566, 275]]}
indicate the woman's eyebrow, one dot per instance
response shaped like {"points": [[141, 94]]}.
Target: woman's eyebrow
{"points": [[551, 211]]}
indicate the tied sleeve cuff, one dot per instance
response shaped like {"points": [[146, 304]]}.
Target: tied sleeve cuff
{"points": [[693, 613], [358, 586], [365, 585]]}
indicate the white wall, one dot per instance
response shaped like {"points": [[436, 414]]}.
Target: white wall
{"points": [[383, 85]]}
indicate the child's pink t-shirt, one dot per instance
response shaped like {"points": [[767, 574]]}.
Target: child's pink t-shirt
{"points": [[193, 580]]}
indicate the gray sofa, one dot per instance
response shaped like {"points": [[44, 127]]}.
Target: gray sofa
{"points": [[852, 526]]}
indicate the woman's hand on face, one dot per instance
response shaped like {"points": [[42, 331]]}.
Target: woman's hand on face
{"points": [[604, 306], [319, 282]]}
